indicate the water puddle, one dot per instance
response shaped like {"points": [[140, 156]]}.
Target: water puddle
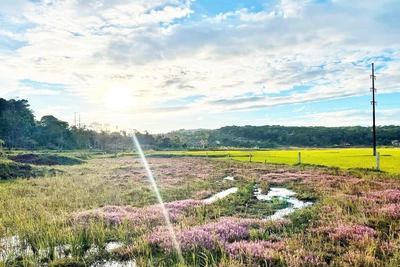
{"points": [[8, 245], [229, 178], [275, 192], [115, 264], [14, 245], [113, 245], [220, 195], [282, 193], [297, 205]]}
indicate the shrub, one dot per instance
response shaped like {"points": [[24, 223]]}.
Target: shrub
{"points": [[11, 170]]}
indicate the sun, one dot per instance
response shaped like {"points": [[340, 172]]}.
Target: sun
{"points": [[119, 97]]}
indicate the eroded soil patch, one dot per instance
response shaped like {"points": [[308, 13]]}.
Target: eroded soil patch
{"points": [[45, 159]]}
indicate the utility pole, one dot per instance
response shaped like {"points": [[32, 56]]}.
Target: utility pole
{"points": [[79, 119], [373, 102]]}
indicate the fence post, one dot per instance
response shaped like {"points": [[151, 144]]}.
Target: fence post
{"points": [[229, 156], [207, 154], [378, 156], [250, 157], [299, 158]]}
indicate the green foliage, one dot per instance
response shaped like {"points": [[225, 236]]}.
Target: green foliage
{"points": [[264, 186], [74, 262], [300, 219], [1, 147], [278, 136], [53, 133], [11, 170], [17, 123]]}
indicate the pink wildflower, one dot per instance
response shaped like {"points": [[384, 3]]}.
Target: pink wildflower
{"points": [[347, 232], [390, 210], [256, 250], [386, 196], [150, 214], [209, 236], [300, 257]]}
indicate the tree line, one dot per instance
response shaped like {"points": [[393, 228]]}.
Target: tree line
{"points": [[276, 136], [20, 129]]}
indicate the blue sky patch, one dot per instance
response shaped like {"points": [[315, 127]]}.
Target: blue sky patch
{"points": [[42, 85], [212, 8]]}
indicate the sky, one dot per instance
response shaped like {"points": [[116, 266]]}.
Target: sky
{"points": [[162, 65]]}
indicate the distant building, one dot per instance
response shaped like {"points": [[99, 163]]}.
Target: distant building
{"points": [[395, 143]]}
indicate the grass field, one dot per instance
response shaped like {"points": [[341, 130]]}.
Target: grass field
{"points": [[342, 158], [69, 217]]}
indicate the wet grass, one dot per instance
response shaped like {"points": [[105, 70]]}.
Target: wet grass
{"points": [[41, 213]]}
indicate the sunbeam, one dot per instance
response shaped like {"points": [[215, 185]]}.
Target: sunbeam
{"points": [[159, 198]]}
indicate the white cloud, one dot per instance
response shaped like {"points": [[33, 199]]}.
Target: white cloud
{"points": [[25, 91], [299, 109], [293, 8], [7, 87], [343, 118], [11, 35], [239, 60], [245, 15]]}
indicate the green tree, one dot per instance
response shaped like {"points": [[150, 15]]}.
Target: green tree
{"points": [[17, 122], [54, 133]]}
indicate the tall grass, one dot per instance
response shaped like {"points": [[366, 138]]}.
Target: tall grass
{"points": [[40, 212]]}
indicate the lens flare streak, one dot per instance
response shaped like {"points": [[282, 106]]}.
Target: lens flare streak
{"points": [[159, 198]]}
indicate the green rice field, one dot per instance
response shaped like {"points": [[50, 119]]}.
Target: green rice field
{"points": [[344, 158]]}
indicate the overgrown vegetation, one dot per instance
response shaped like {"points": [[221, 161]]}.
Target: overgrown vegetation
{"points": [[68, 220], [11, 170]]}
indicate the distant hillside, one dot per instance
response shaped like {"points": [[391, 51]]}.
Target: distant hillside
{"points": [[276, 136], [20, 129]]}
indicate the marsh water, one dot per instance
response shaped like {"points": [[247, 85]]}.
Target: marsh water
{"points": [[284, 194], [274, 192], [115, 264], [13, 244], [220, 195]]}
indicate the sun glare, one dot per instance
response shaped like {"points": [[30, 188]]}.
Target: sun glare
{"points": [[119, 97]]}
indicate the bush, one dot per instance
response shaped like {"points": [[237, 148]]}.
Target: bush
{"points": [[11, 170]]}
